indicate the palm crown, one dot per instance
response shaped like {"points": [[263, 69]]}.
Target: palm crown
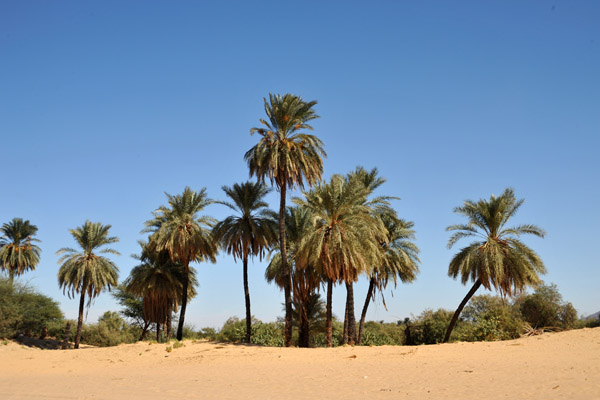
{"points": [[500, 260], [18, 253], [284, 154]]}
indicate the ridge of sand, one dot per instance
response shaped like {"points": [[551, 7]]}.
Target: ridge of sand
{"points": [[563, 365]]}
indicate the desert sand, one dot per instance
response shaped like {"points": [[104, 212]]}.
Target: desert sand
{"points": [[562, 365]]}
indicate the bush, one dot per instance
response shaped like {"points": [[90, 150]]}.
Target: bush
{"points": [[489, 318], [111, 330], [24, 311], [265, 334], [546, 308], [430, 327], [380, 334]]}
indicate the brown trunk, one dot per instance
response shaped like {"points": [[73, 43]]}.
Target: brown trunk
{"points": [[144, 330], [345, 332], [184, 295], [363, 315], [328, 316], [80, 319], [285, 269], [66, 336], [460, 308], [169, 324], [351, 318], [247, 297], [158, 332]]}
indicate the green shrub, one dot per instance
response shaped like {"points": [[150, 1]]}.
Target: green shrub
{"points": [[111, 330], [381, 334], [207, 333], [24, 311], [430, 327], [545, 308]]}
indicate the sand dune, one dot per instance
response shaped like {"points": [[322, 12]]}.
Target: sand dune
{"points": [[551, 366]]}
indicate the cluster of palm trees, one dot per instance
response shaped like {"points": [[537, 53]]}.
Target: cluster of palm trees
{"points": [[334, 233]]}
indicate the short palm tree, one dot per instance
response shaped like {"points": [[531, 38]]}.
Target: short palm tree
{"points": [[399, 261], [306, 279], [87, 272], [159, 282], [249, 233], [345, 241], [185, 235], [288, 158], [499, 259], [18, 253]]}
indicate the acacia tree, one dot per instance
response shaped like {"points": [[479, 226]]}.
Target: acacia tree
{"points": [[185, 235], [86, 271], [399, 261], [18, 253], [249, 233], [499, 259], [288, 158]]}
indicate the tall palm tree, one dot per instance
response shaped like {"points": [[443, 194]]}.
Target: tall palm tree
{"points": [[346, 239], [288, 158], [184, 234], [159, 281], [17, 251], [499, 259], [86, 271], [399, 261], [249, 233]]}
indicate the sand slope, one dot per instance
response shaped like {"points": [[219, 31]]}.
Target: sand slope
{"points": [[551, 366]]}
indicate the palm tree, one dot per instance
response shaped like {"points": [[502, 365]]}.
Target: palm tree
{"points": [[159, 281], [345, 240], [288, 158], [306, 279], [17, 252], [186, 236], [86, 271], [249, 233], [499, 260], [399, 261]]}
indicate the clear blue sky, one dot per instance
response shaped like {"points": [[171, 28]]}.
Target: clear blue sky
{"points": [[104, 106]]}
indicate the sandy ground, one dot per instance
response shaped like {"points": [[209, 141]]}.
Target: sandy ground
{"points": [[551, 366]]}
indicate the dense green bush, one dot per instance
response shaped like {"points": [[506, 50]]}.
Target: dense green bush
{"points": [[490, 318], [430, 327], [111, 330], [545, 308], [380, 334], [24, 311], [263, 333]]}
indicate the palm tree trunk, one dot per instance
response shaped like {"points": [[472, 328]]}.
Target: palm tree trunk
{"points": [[184, 295], [169, 324], [247, 296], [345, 332], [364, 310], [146, 325], [11, 278], [328, 315], [80, 319], [285, 269], [460, 308], [158, 332], [351, 318]]}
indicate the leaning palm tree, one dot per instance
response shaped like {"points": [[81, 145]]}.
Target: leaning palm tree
{"points": [[249, 233], [288, 158], [159, 282], [499, 259], [17, 251], [346, 238], [185, 235], [399, 261], [87, 272]]}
